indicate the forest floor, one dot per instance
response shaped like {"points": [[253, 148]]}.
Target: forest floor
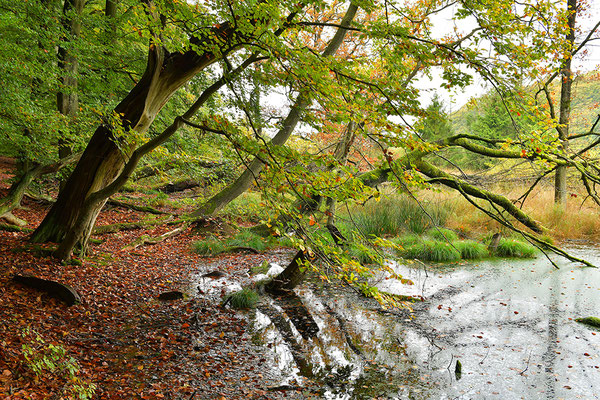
{"points": [[120, 337]]}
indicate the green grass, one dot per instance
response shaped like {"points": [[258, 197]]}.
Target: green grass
{"points": [[431, 250], [442, 234], [471, 250], [393, 215], [515, 248], [208, 247], [406, 240], [247, 239], [243, 299]]}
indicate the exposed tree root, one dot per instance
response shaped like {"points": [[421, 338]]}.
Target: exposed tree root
{"points": [[14, 228]]}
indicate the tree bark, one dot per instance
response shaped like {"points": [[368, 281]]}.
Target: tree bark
{"points": [[244, 181], [107, 152], [560, 179], [17, 189], [291, 276]]}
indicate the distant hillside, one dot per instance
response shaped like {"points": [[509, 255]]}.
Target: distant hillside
{"points": [[584, 109]]}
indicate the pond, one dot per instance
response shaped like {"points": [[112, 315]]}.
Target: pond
{"points": [[510, 323]]}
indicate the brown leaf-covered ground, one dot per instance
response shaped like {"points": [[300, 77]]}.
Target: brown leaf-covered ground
{"points": [[125, 341]]}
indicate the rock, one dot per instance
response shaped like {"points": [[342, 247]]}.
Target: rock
{"points": [[57, 290], [213, 275], [172, 295]]}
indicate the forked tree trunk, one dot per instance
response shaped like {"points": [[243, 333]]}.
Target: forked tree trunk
{"points": [[108, 152], [81, 227]]}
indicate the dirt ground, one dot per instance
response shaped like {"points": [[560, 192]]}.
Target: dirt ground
{"points": [[120, 338]]}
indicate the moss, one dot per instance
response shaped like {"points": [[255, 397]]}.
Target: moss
{"points": [[590, 321]]}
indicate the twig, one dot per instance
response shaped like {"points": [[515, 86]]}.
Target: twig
{"points": [[527, 367]]}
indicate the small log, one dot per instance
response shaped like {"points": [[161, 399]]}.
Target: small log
{"points": [[145, 239], [172, 295], [179, 186], [127, 226], [213, 275], [57, 290]]}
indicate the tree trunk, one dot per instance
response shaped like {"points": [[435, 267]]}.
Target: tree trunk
{"points": [[17, 189], [560, 179], [89, 209], [67, 100], [291, 276], [233, 191], [108, 152]]}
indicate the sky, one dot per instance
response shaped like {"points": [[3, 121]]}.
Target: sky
{"points": [[454, 100]]}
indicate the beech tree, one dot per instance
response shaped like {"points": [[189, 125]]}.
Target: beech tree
{"points": [[166, 71]]}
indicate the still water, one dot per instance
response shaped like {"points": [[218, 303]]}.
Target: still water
{"points": [[510, 323]]}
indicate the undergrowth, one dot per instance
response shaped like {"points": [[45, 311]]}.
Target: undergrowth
{"points": [[396, 214], [243, 299], [515, 248]]}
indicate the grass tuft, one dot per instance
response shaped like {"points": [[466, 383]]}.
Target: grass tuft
{"points": [[243, 299], [393, 215], [208, 247], [365, 255], [471, 250], [515, 248], [431, 250], [442, 234], [247, 239]]}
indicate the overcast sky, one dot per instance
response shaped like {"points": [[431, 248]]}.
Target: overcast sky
{"points": [[454, 100]]}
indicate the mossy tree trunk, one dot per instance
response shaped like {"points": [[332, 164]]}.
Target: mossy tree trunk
{"points": [[83, 224]]}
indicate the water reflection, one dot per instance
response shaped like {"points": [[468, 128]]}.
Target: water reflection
{"points": [[511, 324]]}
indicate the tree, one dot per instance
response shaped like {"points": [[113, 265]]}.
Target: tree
{"points": [[108, 149]]}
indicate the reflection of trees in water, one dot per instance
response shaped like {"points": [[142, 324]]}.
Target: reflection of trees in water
{"points": [[550, 355], [332, 352]]}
